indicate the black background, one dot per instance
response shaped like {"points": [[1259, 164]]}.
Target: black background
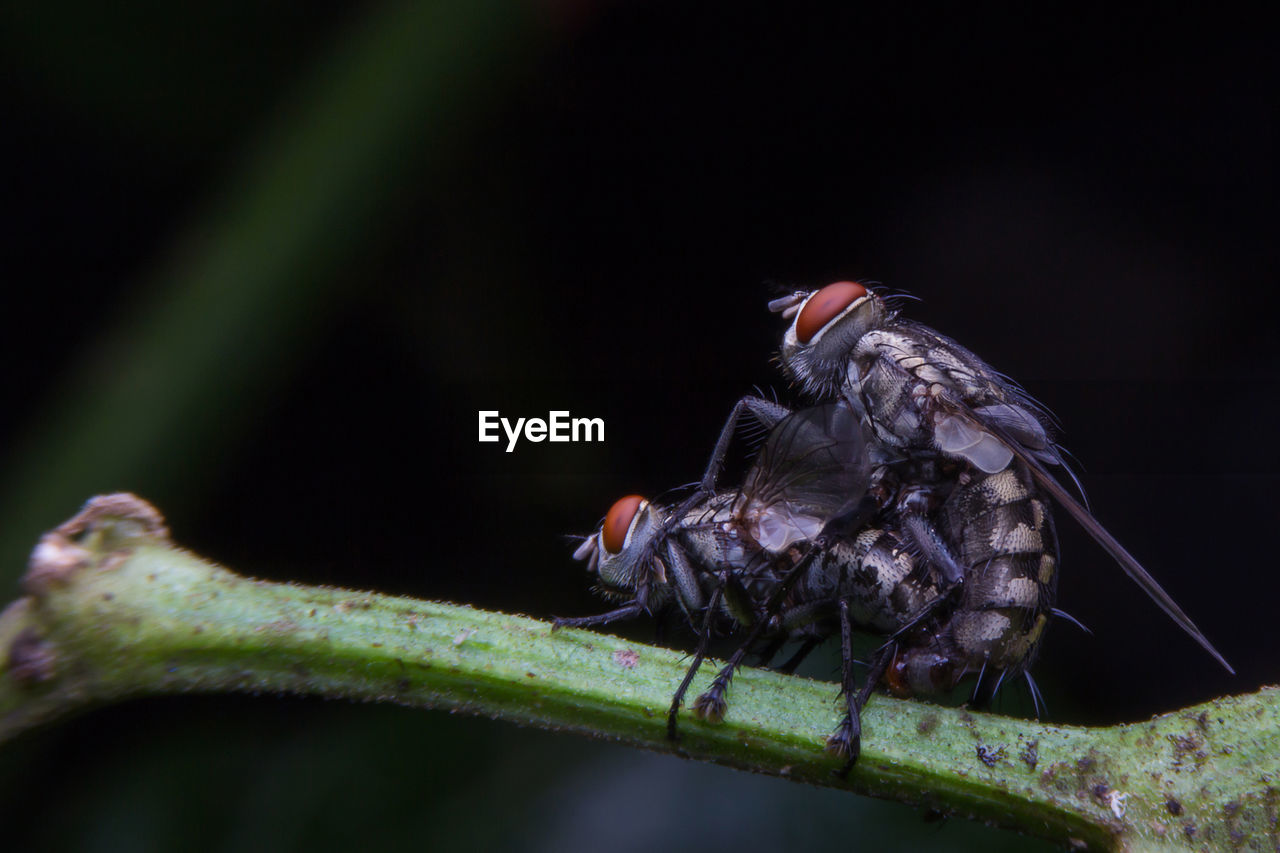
{"points": [[1087, 201]]}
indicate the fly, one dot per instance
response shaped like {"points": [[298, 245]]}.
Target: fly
{"points": [[1002, 531], [922, 395], [763, 559]]}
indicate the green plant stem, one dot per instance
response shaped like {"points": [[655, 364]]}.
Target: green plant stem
{"points": [[113, 610]]}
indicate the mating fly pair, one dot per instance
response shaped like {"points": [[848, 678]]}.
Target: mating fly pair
{"points": [[911, 502]]}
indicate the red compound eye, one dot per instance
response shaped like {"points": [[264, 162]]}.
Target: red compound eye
{"points": [[824, 305], [618, 521]]}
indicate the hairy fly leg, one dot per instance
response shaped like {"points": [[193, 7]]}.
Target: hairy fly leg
{"points": [[712, 704], [846, 741], [704, 640], [627, 611], [767, 412], [927, 542], [914, 505]]}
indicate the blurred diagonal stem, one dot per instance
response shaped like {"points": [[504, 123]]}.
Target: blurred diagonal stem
{"points": [[257, 274], [113, 610]]}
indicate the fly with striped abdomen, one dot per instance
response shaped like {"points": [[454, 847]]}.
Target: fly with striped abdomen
{"points": [[922, 396], [762, 562], [1002, 532]]}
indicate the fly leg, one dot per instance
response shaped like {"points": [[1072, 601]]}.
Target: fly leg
{"points": [[704, 640], [767, 412], [921, 534], [846, 741], [711, 705], [913, 506], [627, 611]]}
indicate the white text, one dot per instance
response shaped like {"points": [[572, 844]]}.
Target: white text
{"points": [[557, 427]]}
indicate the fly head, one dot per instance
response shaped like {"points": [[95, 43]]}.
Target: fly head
{"points": [[623, 552], [825, 326]]}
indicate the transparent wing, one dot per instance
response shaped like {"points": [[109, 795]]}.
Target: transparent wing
{"points": [[1033, 457], [812, 468]]}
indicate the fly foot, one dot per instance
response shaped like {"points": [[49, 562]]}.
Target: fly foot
{"points": [[846, 742], [711, 706]]}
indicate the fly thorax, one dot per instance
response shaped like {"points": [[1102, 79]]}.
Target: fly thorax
{"points": [[851, 391], [890, 391], [711, 544]]}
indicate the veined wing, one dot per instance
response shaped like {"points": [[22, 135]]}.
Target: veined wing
{"points": [[1032, 457], [812, 468]]}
